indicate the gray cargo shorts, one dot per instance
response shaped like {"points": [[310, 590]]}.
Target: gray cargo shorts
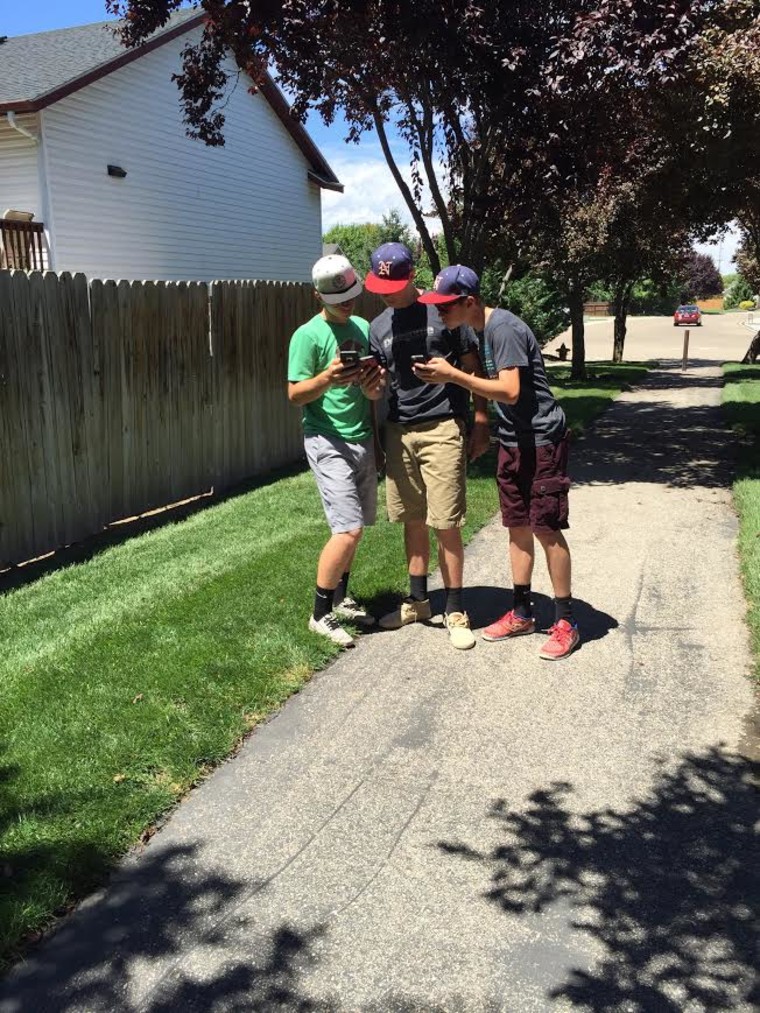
{"points": [[346, 477]]}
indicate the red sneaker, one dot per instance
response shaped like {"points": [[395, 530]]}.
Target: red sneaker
{"points": [[563, 639], [510, 625]]}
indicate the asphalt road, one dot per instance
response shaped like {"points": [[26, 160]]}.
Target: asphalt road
{"points": [[428, 830], [720, 338]]}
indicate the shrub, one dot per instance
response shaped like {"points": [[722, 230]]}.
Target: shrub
{"points": [[738, 291]]}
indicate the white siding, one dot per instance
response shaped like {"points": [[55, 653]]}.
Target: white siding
{"points": [[184, 211], [19, 176]]}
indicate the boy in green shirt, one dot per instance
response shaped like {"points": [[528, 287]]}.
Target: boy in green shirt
{"points": [[333, 377]]}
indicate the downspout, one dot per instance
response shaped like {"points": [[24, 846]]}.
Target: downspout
{"points": [[11, 117], [41, 181]]}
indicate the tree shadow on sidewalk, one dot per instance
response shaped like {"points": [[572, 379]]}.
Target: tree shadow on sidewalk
{"points": [[656, 441], [169, 936], [121, 530], [669, 887], [159, 909], [660, 439]]}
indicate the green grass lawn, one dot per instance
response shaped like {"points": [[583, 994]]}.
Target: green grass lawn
{"points": [[126, 678], [741, 400]]}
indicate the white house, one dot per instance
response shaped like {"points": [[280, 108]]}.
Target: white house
{"points": [[92, 143]]}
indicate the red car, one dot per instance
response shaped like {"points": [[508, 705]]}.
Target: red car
{"points": [[690, 314]]}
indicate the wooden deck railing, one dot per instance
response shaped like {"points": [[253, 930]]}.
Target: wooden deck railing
{"points": [[23, 245]]}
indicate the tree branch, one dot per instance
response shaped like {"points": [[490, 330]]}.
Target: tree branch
{"points": [[406, 193], [424, 131]]}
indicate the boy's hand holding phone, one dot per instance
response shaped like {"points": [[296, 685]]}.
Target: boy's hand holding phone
{"points": [[432, 370], [372, 378], [344, 369]]}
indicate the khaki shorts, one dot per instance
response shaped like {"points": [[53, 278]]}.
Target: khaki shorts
{"points": [[427, 473]]}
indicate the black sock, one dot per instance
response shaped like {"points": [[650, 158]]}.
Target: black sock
{"points": [[341, 590], [453, 600], [323, 602], [563, 609], [522, 605], [418, 587]]}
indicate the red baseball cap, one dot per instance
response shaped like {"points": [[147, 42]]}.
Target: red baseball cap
{"points": [[392, 267]]}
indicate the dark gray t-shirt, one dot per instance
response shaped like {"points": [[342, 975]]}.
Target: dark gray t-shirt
{"points": [[536, 419], [395, 336]]}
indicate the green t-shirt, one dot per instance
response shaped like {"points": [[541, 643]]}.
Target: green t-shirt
{"points": [[340, 411]]}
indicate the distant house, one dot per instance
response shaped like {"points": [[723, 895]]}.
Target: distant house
{"points": [[92, 145]]}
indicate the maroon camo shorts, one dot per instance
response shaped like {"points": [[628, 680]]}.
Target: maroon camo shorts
{"points": [[533, 486]]}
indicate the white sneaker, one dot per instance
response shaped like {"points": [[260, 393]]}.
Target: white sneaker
{"points": [[329, 627], [353, 612]]}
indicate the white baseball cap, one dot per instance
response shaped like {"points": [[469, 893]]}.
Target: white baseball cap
{"points": [[335, 280]]}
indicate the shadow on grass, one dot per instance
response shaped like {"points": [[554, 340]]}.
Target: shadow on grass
{"points": [[669, 887], [744, 374], [119, 531], [34, 870]]}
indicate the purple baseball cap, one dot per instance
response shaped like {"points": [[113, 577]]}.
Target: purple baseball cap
{"points": [[452, 283], [392, 266]]}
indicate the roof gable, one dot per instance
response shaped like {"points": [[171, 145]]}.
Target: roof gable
{"points": [[40, 69]]}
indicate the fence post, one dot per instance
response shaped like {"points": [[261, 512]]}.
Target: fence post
{"points": [[685, 350]]}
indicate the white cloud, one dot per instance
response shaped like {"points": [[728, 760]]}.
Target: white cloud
{"points": [[370, 190]]}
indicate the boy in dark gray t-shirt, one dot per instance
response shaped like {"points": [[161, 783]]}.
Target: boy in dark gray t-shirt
{"points": [[426, 444], [532, 467]]}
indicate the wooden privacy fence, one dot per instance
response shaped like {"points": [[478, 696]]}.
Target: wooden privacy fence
{"points": [[597, 309], [118, 398]]}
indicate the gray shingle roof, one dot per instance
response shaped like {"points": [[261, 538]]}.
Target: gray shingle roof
{"points": [[36, 70], [34, 65]]}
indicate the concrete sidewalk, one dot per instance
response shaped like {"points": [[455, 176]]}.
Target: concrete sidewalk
{"points": [[422, 829]]}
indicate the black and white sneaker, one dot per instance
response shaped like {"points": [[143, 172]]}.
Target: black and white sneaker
{"points": [[329, 627], [353, 612]]}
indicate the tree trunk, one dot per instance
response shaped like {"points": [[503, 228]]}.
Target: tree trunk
{"points": [[406, 193], [753, 352], [575, 303], [621, 303]]}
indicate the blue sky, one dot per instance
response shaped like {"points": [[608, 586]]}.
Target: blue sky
{"points": [[369, 188], [42, 15]]}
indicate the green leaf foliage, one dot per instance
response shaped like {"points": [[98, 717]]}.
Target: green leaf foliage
{"points": [[358, 241], [531, 297], [737, 292]]}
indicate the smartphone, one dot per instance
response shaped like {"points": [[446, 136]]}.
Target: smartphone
{"points": [[349, 358], [420, 360], [368, 360]]}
